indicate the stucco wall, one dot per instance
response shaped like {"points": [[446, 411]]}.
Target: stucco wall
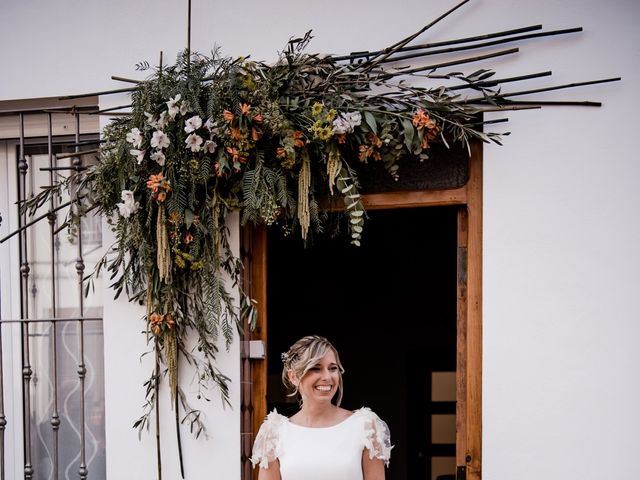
{"points": [[560, 211]]}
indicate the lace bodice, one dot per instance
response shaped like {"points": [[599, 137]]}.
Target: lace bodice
{"points": [[327, 453]]}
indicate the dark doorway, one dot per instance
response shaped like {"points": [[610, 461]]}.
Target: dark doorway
{"points": [[389, 306]]}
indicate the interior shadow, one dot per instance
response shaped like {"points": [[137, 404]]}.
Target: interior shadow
{"points": [[388, 306]]}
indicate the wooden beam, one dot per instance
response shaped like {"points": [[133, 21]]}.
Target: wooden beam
{"points": [[473, 456], [414, 199]]}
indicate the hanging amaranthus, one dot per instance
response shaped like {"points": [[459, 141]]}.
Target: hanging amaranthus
{"points": [[304, 183], [334, 164], [163, 259]]}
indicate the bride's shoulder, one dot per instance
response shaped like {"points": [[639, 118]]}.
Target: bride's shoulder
{"points": [[274, 418], [365, 412], [375, 434]]}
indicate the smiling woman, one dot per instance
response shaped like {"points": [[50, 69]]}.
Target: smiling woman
{"points": [[321, 441]]}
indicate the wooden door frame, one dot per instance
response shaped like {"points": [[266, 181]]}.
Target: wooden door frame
{"points": [[469, 315]]}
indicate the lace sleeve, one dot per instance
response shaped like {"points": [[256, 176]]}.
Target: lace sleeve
{"points": [[377, 437], [266, 447]]}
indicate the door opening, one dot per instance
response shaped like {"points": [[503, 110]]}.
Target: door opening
{"points": [[390, 308]]}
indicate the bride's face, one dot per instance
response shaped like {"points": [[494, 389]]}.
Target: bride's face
{"points": [[321, 381]]}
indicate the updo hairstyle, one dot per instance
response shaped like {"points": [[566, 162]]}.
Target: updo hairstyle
{"points": [[305, 354]]}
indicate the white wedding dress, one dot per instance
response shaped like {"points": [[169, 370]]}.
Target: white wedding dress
{"points": [[324, 453]]}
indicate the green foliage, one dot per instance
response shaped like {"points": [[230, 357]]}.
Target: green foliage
{"points": [[209, 135]]}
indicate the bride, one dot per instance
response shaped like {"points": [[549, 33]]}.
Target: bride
{"points": [[322, 441]]}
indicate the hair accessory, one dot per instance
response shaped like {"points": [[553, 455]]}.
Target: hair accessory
{"points": [[284, 356]]}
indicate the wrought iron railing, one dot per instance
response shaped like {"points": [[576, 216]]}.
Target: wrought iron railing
{"points": [[61, 427]]}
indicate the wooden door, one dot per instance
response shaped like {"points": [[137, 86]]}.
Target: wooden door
{"points": [[468, 405]]}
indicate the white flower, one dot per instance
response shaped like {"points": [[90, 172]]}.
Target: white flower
{"points": [[139, 154], [183, 109], [128, 205], [134, 137], [172, 105], [192, 124], [163, 121], [158, 157], [127, 196], [341, 126], [209, 124], [160, 140], [354, 118], [346, 122], [210, 146], [151, 120], [194, 141]]}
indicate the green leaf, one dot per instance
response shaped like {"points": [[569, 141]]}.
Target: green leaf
{"points": [[371, 121], [188, 217], [409, 132]]}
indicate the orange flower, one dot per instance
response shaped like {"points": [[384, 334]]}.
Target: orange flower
{"points": [[188, 238], [281, 152], [375, 140], [422, 120], [298, 141], [235, 133], [161, 196], [341, 137], [255, 134], [228, 116], [258, 118], [155, 319], [169, 320], [155, 181], [364, 153], [236, 155], [244, 108]]}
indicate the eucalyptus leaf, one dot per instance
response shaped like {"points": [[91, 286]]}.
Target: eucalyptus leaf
{"points": [[409, 133], [371, 121]]}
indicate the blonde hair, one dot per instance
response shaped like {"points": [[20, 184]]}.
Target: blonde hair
{"points": [[305, 354]]}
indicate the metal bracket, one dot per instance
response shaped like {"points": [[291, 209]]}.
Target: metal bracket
{"points": [[254, 349]]}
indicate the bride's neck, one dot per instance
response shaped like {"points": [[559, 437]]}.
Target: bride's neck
{"points": [[317, 411]]}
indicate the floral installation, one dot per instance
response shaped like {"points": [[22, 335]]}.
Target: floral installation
{"points": [[279, 143]]}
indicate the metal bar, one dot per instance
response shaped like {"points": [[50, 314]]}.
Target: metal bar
{"points": [[24, 227], [27, 371], [493, 83], [3, 419], [77, 152], [435, 66], [51, 319], [57, 169], [424, 46], [370, 64], [124, 79], [565, 103], [482, 44], [39, 111], [548, 89], [52, 217], [69, 144], [82, 369], [104, 110], [97, 94]]}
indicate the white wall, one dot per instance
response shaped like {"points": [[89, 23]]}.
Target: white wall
{"points": [[561, 225]]}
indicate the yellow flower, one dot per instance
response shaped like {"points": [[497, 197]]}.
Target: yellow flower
{"points": [[316, 109], [325, 133]]}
